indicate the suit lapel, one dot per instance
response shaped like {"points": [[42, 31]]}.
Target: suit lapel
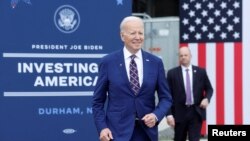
{"points": [[180, 77], [146, 67], [194, 80]]}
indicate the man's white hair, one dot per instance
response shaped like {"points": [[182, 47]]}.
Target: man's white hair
{"points": [[128, 19]]}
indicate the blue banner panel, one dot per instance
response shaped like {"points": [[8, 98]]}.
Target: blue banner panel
{"points": [[50, 52]]}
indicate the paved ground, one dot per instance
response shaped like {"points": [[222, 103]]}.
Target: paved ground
{"points": [[166, 133]]}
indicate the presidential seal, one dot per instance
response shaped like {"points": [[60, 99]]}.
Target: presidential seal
{"points": [[67, 19]]}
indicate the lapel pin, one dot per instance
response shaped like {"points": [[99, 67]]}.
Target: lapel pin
{"points": [[147, 59]]}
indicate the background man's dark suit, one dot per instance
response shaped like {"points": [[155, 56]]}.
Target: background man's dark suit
{"points": [[187, 84], [176, 84]]}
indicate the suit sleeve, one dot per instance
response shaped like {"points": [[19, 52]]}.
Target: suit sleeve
{"points": [[169, 81], [208, 87], [99, 98], [165, 99]]}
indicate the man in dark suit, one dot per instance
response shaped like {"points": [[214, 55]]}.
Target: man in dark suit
{"points": [[131, 113], [191, 92]]}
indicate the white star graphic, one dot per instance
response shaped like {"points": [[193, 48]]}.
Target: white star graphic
{"points": [[223, 5], [210, 5], [223, 35], [204, 28], [185, 6], [198, 36], [198, 21], [210, 35], [217, 13], [217, 28], [191, 13], [230, 27], [204, 13], [185, 36], [223, 20], [230, 12], [191, 28], [236, 20], [210, 20], [236, 5], [236, 35], [198, 6], [185, 21]]}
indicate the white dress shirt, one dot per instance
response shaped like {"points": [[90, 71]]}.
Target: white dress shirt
{"points": [[138, 60]]}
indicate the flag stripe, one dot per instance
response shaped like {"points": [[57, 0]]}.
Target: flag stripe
{"points": [[220, 83], [210, 67], [246, 65], [229, 83], [238, 83], [202, 63], [194, 50], [202, 55]]}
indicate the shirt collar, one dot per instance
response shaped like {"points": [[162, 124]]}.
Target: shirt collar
{"points": [[184, 68], [127, 54]]}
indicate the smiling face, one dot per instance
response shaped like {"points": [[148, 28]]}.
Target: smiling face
{"points": [[132, 33], [185, 56]]}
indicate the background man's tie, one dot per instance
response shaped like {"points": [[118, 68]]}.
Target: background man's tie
{"points": [[133, 72], [188, 89]]}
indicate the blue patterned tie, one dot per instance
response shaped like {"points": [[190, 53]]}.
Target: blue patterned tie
{"points": [[188, 89], [134, 79]]}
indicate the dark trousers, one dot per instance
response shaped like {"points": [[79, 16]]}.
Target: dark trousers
{"points": [[139, 134], [190, 127]]}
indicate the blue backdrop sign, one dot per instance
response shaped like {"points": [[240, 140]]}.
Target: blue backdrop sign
{"points": [[49, 64]]}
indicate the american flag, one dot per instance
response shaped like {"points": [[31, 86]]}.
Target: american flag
{"points": [[218, 34]]}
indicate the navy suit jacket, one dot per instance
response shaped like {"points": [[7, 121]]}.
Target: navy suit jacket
{"points": [[201, 84], [122, 105]]}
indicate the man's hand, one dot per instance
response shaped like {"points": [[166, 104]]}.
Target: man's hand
{"points": [[204, 103], [150, 120], [106, 135], [170, 120]]}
